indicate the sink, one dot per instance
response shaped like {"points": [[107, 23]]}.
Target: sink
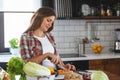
{"points": [[71, 55], [82, 56]]}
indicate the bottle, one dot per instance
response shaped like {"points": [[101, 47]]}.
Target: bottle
{"points": [[109, 12], [102, 11]]}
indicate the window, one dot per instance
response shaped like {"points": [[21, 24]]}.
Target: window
{"points": [[15, 16]]}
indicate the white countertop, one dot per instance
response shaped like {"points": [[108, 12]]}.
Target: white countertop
{"points": [[94, 56], [6, 58]]}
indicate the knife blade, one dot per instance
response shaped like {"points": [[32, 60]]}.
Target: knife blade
{"points": [[61, 67], [58, 65]]}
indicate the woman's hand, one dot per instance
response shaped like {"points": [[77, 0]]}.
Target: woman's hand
{"points": [[54, 59], [70, 67]]}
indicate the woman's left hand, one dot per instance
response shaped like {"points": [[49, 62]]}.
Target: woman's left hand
{"points": [[70, 67]]}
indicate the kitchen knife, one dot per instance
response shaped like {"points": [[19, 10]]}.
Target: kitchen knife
{"points": [[58, 65]]}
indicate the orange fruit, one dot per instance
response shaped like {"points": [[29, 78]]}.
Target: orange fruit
{"points": [[97, 48], [94, 47]]}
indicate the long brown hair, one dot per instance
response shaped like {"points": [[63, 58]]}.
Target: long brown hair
{"points": [[38, 17]]}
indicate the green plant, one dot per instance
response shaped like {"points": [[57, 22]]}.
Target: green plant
{"points": [[117, 6], [14, 43]]}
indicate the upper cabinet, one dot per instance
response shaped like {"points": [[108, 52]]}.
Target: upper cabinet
{"points": [[85, 9]]}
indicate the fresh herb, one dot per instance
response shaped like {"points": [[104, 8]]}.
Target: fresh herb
{"points": [[14, 43]]}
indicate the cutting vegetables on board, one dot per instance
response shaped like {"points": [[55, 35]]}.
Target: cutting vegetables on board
{"points": [[40, 58], [37, 42]]}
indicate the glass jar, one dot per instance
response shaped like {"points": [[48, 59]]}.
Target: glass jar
{"points": [[97, 47]]}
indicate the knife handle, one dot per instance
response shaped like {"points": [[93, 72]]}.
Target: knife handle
{"points": [[49, 58]]}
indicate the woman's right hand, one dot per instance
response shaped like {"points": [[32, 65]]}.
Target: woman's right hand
{"points": [[54, 59]]}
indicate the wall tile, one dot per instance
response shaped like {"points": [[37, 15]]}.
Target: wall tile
{"points": [[69, 33]]}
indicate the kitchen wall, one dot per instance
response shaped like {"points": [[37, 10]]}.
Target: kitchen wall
{"points": [[68, 34]]}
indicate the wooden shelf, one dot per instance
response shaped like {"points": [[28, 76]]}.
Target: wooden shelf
{"points": [[93, 17], [101, 17], [73, 8]]}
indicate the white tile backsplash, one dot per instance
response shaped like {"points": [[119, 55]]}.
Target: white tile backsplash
{"points": [[66, 33]]}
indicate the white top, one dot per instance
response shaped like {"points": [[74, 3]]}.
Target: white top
{"points": [[47, 47]]}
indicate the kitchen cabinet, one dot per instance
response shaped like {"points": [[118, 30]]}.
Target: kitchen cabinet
{"points": [[83, 9], [112, 65], [96, 65], [109, 65], [80, 65], [94, 8], [113, 76]]}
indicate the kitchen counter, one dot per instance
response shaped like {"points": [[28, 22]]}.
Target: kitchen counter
{"points": [[94, 56], [6, 58]]}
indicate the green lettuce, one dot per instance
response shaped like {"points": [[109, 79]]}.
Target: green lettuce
{"points": [[34, 69], [99, 75], [15, 67]]}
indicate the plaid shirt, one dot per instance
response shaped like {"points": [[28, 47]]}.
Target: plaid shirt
{"points": [[31, 46]]}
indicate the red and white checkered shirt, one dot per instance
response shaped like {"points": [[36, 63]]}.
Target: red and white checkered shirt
{"points": [[31, 46]]}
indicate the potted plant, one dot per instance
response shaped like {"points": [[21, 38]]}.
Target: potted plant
{"points": [[117, 8], [14, 46]]}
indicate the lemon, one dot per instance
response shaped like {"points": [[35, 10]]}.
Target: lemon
{"points": [[51, 70]]}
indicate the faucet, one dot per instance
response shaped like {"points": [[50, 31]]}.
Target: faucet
{"points": [[82, 47]]}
